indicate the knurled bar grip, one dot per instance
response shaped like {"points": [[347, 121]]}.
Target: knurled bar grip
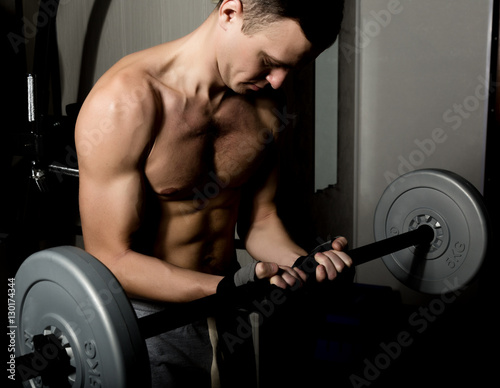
{"points": [[177, 315]]}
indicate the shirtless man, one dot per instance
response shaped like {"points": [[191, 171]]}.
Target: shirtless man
{"points": [[166, 124]]}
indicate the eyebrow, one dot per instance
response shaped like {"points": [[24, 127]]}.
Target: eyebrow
{"points": [[276, 61]]}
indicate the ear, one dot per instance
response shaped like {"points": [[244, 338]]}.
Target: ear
{"points": [[230, 13]]}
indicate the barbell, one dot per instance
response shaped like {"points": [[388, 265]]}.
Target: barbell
{"points": [[76, 326]]}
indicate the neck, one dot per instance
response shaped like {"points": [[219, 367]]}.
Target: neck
{"points": [[196, 56]]}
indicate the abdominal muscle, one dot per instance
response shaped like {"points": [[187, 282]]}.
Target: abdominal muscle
{"points": [[198, 239]]}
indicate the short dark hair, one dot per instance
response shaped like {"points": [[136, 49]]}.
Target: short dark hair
{"points": [[320, 21]]}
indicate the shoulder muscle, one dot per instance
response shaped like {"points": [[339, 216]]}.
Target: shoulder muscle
{"points": [[116, 123]]}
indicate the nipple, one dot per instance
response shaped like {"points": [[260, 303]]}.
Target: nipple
{"points": [[170, 191]]}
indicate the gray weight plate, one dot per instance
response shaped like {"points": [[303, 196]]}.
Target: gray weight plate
{"points": [[455, 210], [66, 292]]}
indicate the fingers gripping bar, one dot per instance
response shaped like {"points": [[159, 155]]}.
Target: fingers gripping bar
{"points": [[421, 236], [181, 314]]}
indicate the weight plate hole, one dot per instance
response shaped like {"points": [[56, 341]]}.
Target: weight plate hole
{"points": [[67, 347], [427, 219]]}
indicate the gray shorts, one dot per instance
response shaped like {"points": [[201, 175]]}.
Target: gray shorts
{"points": [[192, 355]]}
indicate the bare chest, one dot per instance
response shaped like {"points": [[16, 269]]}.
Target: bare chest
{"points": [[195, 152]]}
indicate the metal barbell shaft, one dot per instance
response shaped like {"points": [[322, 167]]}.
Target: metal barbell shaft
{"points": [[177, 315], [64, 170], [420, 236]]}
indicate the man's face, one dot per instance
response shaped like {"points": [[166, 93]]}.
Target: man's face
{"points": [[250, 62]]}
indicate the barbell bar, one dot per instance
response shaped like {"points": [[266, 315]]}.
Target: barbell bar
{"points": [[55, 359], [182, 314], [424, 219]]}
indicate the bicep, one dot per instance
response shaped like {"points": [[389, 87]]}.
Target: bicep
{"points": [[111, 147], [110, 211], [258, 200], [263, 187]]}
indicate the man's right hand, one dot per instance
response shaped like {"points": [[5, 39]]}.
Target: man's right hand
{"points": [[278, 275]]}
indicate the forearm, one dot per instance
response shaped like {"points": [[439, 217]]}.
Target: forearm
{"points": [[268, 240], [146, 277]]}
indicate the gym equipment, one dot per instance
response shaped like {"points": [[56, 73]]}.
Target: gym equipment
{"points": [[76, 326], [454, 209], [67, 293], [442, 220]]}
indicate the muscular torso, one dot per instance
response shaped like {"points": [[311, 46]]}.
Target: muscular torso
{"points": [[200, 161]]}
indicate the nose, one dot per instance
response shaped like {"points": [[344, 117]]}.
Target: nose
{"points": [[276, 77]]}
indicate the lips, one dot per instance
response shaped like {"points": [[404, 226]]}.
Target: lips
{"points": [[257, 86]]}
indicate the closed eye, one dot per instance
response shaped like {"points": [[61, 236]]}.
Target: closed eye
{"points": [[270, 62]]}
